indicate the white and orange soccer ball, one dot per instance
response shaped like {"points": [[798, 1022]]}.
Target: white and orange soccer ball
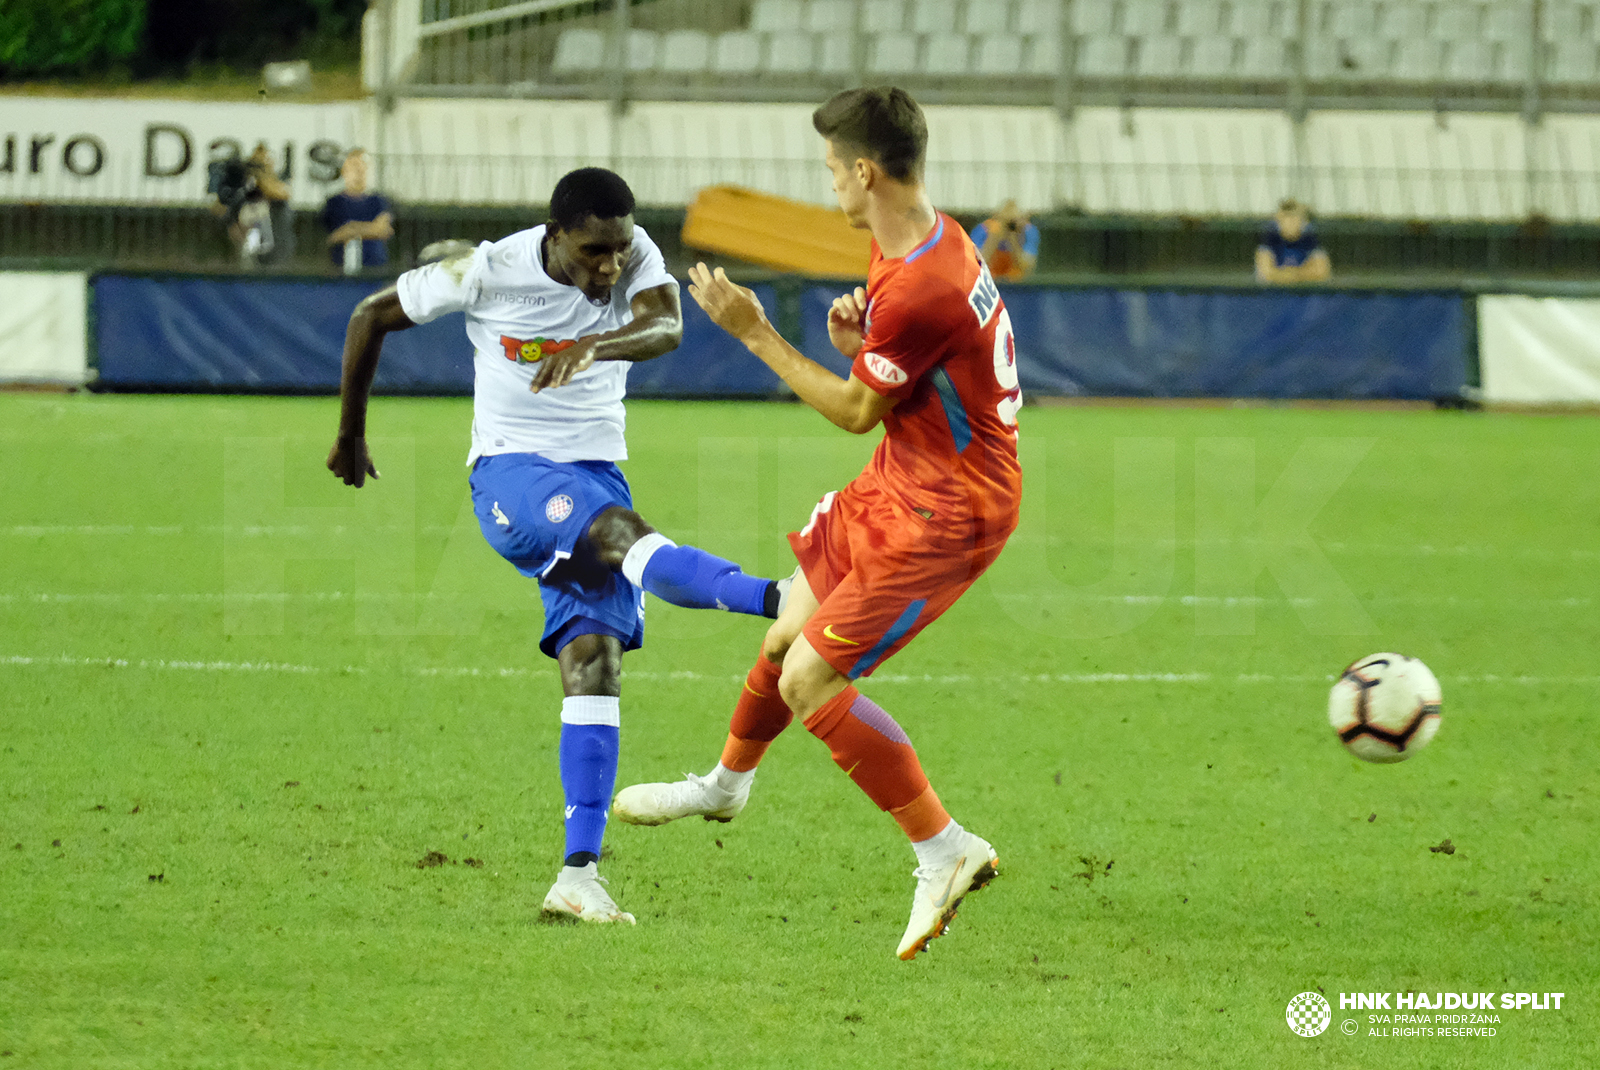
{"points": [[1385, 707]]}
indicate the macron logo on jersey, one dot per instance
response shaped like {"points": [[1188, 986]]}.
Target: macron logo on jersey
{"points": [[886, 370], [985, 295]]}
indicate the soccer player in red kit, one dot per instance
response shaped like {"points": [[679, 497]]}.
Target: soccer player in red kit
{"points": [[935, 364]]}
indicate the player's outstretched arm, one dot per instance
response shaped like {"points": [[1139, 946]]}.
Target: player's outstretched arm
{"points": [[363, 339], [847, 403], [656, 328]]}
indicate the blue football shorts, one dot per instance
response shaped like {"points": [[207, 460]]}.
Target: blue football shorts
{"points": [[535, 512]]}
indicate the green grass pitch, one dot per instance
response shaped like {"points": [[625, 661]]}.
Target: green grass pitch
{"points": [[243, 702]]}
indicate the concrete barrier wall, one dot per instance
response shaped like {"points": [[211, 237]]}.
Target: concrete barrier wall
{"points": [[44, 327]]}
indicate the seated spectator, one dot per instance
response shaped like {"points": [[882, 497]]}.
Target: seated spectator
{"points": [[1008, 241], [359, 222], [1289, 251]]}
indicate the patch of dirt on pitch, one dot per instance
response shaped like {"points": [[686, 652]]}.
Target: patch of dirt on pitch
{"points": [[433, 858], [1446, 847]]}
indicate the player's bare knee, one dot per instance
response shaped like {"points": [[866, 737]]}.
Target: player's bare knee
{"points": [[794, 692], [777, 643], [614, 532], [591, 665]]}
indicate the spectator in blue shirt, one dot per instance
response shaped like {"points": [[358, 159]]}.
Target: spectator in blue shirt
{"points": [[1008, 241], [357, 215], [1289, 251]]}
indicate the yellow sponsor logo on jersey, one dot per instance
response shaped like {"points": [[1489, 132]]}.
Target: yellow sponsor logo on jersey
{"points": [[829, 633]]}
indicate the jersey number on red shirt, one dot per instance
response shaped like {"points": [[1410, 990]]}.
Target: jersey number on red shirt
{"points": [[984, 299]]}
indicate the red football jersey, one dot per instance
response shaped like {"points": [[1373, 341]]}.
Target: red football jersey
{"points": [[938, 338]]}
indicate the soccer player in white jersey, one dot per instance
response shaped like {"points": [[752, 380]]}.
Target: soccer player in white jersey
{"points": [[555, 315]]}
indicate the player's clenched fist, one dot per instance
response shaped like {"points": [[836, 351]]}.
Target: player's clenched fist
{"points": [[734, 308], [846, 322], [350, 461]]}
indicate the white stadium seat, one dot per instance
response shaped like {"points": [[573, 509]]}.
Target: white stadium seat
{"points": [[883, 16], [836, 53], [684, 52], [791, 53], [1352, 20], [1572, 63], [1257, 19], [1038, 17], [1401, 21], [1417, 61], [642, 46], [1508, 20], [1103, 57], [1211, 57], [1360, 59], [1470, 61], [1565, 20], [830, 16], [579, 52], [1159, 57], [933, 16], [1093, 20], [999, 55], [1457, 20], [1263, 57], [892, 53], [776, 15], [1324, 59], [947, 54], [737, 53], [1199, 18], [1042, 55], [989, 16], [1143, 18]]}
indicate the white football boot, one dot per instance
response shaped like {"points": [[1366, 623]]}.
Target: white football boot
{"points": [[656, 804], [577, 895], [940, 890]]}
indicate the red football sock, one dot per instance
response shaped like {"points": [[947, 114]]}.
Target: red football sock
{"points": [[874, 752], [758, 718], [923, 817]]}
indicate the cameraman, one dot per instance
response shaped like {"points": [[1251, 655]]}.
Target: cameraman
{"points": [[254, 200], [1008, 241]]}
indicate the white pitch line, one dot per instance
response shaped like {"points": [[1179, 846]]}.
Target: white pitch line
{"points": [[164, 663], [208, 597], [41, 531], [1330, 546], [690, 676]]}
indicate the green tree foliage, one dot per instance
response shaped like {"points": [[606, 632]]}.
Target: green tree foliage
{"points": [[67, 36], [247, 32]]}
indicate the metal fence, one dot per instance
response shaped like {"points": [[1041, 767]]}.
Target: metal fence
{"points": [[1177, 250]]}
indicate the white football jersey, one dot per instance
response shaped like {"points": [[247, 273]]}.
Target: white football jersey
{"points": [[515, 312]]}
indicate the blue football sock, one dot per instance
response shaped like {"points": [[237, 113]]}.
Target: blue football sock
{"points": [[688, 576], [588, 755]]}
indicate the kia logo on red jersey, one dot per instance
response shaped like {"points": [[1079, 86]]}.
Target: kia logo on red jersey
{"points": [[885, 370]]}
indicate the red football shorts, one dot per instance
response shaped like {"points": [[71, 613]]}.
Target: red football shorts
{"points": [[882, 573]]}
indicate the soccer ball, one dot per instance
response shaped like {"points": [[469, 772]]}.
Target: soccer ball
{"points": [[1385, 707]]}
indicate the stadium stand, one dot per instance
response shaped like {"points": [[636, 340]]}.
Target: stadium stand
{"points": [[1480, 53]]}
